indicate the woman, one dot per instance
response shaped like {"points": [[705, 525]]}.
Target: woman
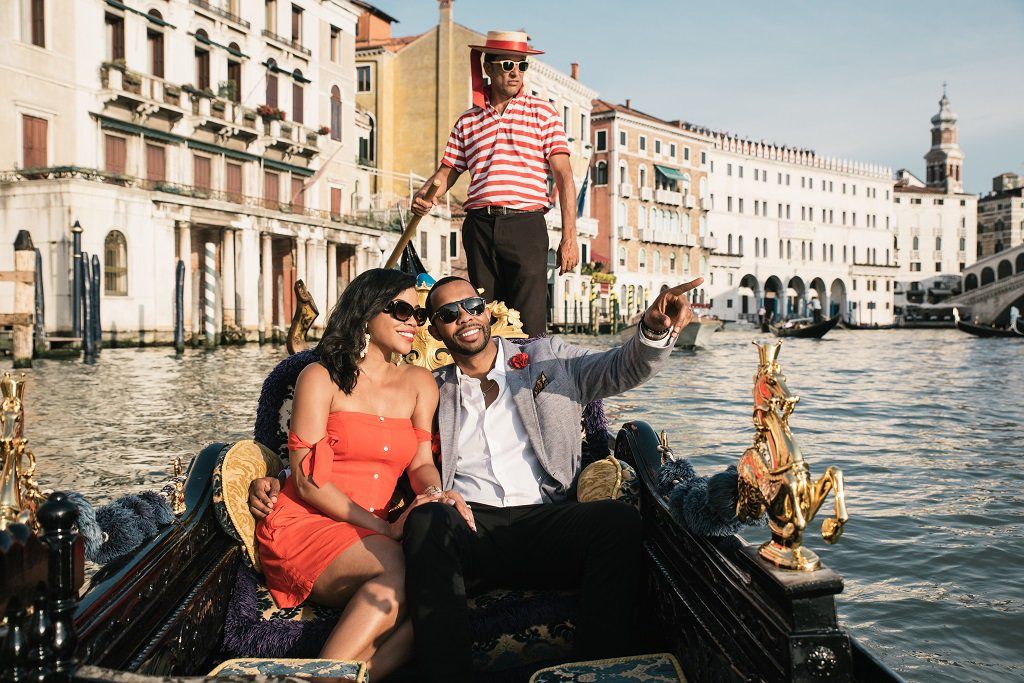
{"points": [[358, 421]]}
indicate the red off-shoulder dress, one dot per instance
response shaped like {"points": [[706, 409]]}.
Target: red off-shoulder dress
{"points": [[363, 455]]}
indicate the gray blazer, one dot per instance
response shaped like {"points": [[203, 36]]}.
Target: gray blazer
{"points": [[550, 393]]}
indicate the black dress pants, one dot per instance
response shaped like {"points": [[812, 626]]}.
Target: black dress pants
{"points": [[595, 547], [508, 257]]}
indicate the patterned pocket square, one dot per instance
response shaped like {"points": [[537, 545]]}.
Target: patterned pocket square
{"points": [[539, 385]]}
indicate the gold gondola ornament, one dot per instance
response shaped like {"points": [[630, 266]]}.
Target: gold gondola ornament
{"points": [[774, 477], [19, 494]]}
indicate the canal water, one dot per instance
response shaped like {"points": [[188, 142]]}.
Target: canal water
{"points": [[927, 426]]}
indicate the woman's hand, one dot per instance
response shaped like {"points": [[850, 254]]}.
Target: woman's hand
{"points": [[396, 530], [263, 494], [456, 499]]}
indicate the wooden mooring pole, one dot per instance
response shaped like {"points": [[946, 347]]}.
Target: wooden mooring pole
{"points": [[23, 276]]}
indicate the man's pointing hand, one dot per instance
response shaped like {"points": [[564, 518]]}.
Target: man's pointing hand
{"points": [[671, 310]]}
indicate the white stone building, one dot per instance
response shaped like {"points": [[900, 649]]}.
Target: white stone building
{"points": [[936, 221], [221, 132], [787, 226]]}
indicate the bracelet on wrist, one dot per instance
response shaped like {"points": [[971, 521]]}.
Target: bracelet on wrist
{"points": [[650, 334], [433, 490]]}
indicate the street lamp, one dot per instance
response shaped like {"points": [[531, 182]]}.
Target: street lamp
{"points": [[76, 280]]}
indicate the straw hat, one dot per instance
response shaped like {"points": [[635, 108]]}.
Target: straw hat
{"points": [[507, 41]]}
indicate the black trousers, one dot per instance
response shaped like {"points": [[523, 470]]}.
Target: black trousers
{"points": [[595, 547], [508, 257]]}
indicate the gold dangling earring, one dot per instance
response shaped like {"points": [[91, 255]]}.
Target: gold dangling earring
{"points": [[366, 342]]}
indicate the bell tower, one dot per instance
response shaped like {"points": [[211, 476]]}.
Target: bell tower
{"points": [[944, 160]]}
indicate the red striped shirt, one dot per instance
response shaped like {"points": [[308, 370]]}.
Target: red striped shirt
{"points": [[507, 154]]}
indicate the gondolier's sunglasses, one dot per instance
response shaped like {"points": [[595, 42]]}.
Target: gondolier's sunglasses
{"points": [[449, 313], [403, 310], [509, 64]]}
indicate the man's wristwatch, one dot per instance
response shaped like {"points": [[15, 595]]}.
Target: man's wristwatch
{"points": [[650, 334], [433, 491]]}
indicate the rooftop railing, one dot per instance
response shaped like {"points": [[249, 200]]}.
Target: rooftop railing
{"points": [[220, 12], [293, 44]]}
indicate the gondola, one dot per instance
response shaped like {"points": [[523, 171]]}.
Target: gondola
{"points": [[804, 328], [170, 607], [1015, 329]]}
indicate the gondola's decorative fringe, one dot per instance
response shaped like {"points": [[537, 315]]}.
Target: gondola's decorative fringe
{"points": [[704, 505], [121, 526]]}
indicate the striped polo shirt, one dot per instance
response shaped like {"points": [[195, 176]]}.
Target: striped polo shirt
{"points": [[507, 154]]}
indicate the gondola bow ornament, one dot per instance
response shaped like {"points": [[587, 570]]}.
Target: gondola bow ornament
{"points": [[774, 477]]}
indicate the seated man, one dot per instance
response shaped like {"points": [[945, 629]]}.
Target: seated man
{"points": [[509, 423]]}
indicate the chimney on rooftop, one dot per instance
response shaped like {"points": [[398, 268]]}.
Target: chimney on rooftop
{"points": [[629, 103], [574, 71]]}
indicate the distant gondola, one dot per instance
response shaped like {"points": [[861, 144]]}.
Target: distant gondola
{"points": [[1014, 330], [805, 328]]}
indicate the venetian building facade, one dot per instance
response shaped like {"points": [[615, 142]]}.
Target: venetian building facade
{"points": [[1001, 215], [415, 87], [651, 198], [936, 221], [790, 226], [223, 133]]}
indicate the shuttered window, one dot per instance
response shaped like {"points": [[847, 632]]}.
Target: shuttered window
{"points": [[296, 24], [115, 153], [234, 181], [271, 89], [235, 76], [33, 143], [202, 69], [115, 264], [335, 113], [115, 37], [335, 202], [38, 23], [156, 163], [156, 53], [201, 172], [297, 113], [271, 190], [297, 196]]}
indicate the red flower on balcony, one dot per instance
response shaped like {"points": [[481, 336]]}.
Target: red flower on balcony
{"points": [[270, 112], [323, 130], [519, 361]]}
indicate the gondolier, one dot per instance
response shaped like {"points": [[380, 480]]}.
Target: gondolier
{"points": [[511, 143]]}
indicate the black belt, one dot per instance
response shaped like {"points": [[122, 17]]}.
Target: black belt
{"points": [[500, 211]]}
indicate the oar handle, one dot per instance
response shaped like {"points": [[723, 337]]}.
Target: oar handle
{"points": [[410, 230]]}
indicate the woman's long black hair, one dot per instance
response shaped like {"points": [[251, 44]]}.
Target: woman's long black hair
{"points": [[344, 336]]}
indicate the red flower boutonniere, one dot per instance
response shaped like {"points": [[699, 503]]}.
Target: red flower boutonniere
{"points": [[519, 361], [435, 444]]}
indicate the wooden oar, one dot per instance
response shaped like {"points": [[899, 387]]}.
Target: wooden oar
{"points": [[410, 230]]}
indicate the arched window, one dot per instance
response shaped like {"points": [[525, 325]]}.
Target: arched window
{"points": [[335, 113], [641, 219], [622, 213], [803, 250], [202, 60], [739, 245], [622, 263], [298, 98], [657, 262], [938, 244], [780, 249], [640, 303], [672, 262], [963, 243], [623, 173], [155, 43], [271, 93], [653, 220], [703, 226], [642, 259], [115, 264], [703, 187], [234, 82], [757, 247], [917, 243], [789, 249], [601, 173], [728, 242], [686, 224], [643, 177], [686, 183]]}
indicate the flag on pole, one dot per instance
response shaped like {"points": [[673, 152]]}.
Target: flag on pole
{"points": [[581, 200]]}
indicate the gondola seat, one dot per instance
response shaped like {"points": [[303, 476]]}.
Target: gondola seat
{"points": [[332, 669], [654, 668]]}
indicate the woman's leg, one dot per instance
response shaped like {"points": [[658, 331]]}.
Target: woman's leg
{"points": [[369, 580], [392, 653]]}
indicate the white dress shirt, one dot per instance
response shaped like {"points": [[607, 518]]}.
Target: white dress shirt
{"points": [[497, 464]]}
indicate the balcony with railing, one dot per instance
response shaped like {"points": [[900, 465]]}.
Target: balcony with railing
{"points": [[663, 196], [709, 242], [625, 232], [142, 92], [219, 12], [705, 204], [286, 42], [689, 201], [625, 190]]}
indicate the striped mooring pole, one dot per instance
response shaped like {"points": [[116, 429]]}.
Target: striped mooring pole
{"points": [[210, 293]]}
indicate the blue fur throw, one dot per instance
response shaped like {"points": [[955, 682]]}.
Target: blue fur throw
{"points": [[704, 505], [121, 526], [271, 428]]}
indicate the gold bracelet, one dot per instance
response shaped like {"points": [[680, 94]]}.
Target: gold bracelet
{"points": [[433, 490]]}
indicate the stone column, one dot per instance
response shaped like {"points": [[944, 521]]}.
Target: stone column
{"points": [[185, 254], [227, 265], [300, 259], [332, 276], [311, 267], [266, 323]]}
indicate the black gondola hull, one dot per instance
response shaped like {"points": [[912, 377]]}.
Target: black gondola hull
{"points": [[812, 331]]}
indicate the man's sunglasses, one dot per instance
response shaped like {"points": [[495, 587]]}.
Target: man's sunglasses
{"points": [[509, 64], [403, 310], [449, 313]]}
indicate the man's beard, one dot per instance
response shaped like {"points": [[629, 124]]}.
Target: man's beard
{"points": [[457, 347]]}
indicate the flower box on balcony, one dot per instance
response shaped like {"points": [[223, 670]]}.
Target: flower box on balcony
{"points": [[132, 82], [286, 131], [311, 137], [248, 116], [269, 112], [172, 94]]}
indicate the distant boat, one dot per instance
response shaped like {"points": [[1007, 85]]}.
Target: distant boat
{"points": [[1014, 330], [696, 335], [805, 328]]}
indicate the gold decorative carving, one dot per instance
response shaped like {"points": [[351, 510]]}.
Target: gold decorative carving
{"points": [[305, 313], [19, 494], [431, 354], [178, 494], [774, 477]]}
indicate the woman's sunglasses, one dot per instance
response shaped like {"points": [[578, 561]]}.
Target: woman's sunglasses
{"points": [[449, 313], [509, 64], [403, 310]]}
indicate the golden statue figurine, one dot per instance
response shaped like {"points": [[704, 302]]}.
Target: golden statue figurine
{"points": [[19, 494], [305, 313], [774, 476]]}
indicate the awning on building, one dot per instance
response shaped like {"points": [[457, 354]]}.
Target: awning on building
{"points": [[669, 172], [290, 168], [125, 8], [133, 129], [216, 149]]}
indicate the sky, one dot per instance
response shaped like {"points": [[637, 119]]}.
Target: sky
{"points": [[854, 80]]}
